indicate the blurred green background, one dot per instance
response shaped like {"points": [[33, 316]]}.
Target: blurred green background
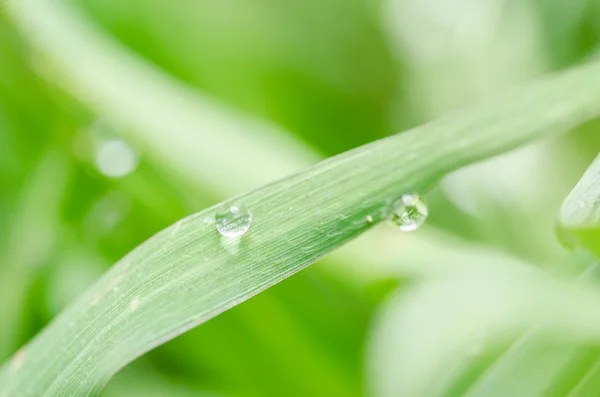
{"points": [[81, 184]]}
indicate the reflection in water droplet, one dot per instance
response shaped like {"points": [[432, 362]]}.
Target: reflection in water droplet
{"points": [[233, 221], [409, 213]]}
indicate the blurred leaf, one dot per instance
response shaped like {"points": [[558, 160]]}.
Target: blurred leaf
{"points": [[409, 356], [568, 28], [329, 85], [31, 241], [200, 141], [564, 369], [531, 365], [579, 221]]}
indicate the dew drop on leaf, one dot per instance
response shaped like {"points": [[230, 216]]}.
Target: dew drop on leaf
{"points": [[409, 213], [233, 220]]}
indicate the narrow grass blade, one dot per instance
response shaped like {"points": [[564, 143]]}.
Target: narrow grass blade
{"points": [[579, 221], [579, 227], [183, 130], [40, 200], [409, 356]]}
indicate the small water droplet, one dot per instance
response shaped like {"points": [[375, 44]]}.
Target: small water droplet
{"points": [[409, 213], [234, 220]]}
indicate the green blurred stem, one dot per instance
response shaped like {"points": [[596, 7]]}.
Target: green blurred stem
{"points": [[184, 131], [31, 242]]}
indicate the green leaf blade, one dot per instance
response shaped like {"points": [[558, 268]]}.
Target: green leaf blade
{"points": [[188, 273], [579, 221]]}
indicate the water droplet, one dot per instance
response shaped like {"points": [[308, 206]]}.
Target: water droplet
{"points": [[233, 221], [409, 213]]}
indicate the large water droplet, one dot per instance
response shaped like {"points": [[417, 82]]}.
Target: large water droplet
{"points": [[234, 220], [409, 213]]}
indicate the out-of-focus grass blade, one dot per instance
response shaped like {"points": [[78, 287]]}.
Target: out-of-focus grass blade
{"points": [[42, 195], [579, 221], [531, 366], [188, 273], [408, 356], [562, 370], [183, 130]]}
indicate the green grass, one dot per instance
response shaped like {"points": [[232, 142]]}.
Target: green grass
{"points": [[187, 273], [530, 333], [579, 221], [480, 302]]}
